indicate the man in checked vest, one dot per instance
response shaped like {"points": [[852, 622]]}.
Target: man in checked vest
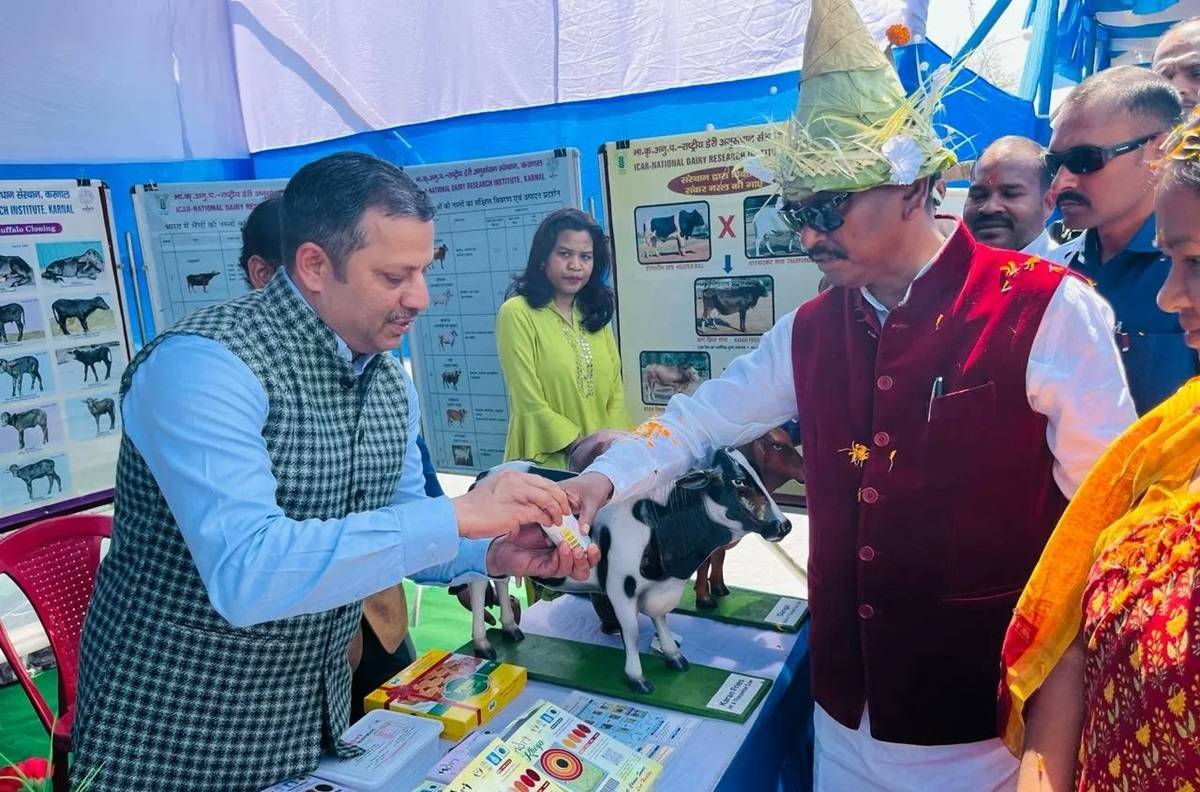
{"points": [[950, 395], [268, 481], [382, 647]]}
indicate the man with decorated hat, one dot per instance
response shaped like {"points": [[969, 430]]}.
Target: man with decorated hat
{"points": [[951, 397]]}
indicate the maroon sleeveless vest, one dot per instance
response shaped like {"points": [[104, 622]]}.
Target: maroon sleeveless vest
{"points": [[926, 515]]}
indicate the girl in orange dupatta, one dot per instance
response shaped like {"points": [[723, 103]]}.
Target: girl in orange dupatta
{"points": [[1107, 632]]}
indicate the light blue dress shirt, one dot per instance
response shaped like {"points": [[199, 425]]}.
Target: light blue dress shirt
{"points": [[196, 412]]}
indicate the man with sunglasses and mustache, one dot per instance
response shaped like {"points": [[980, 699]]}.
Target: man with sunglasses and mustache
{"points": [[950, 396], [1106, 139]]}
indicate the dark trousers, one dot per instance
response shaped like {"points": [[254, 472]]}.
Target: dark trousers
{"points": [[376, 667]]}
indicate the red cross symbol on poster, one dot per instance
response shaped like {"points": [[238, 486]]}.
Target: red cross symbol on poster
{"points": [[726, 226]]}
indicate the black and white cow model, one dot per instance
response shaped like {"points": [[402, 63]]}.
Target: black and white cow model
{"points": [[650, 545]]}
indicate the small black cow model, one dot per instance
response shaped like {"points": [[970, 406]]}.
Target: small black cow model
{"points": [[451, 378], [80, 310], [652, 544], [732, 300]]}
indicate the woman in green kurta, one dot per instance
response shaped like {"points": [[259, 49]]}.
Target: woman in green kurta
{"points": [[557, 350]]}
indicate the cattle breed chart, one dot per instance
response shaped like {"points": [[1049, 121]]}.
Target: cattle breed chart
{"points": [[63, 348], [703, 263], [487, 213], [191, 235]]}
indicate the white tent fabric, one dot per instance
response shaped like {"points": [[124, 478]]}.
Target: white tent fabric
{"points": [[139, 80], [183, 79], [624, 47], [389, 64]]}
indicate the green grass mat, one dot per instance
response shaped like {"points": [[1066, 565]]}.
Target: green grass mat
{"points": [[21, 733], [600, 669], [746, 607]]}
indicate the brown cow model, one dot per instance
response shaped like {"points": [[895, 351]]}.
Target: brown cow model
{"points": [[456, 415], [777, 462]]}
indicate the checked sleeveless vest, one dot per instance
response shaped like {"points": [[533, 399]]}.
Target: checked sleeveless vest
{"points": [[171, 696]]}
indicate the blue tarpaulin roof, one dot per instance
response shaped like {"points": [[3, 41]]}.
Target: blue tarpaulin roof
{"points": [[1093, 34]]}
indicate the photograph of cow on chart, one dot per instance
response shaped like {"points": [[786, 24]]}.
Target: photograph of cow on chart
{"points": [[671, 233], [735, 306], [665, 374]]}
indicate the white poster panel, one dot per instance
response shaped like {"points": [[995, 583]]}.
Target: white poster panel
{"points": [[487, 212], [191, 236], [704, 266], [63, 348]]}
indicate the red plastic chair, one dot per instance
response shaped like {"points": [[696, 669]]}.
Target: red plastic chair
{"points": [[53, 563]]}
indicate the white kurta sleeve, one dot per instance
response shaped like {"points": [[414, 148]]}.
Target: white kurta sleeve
{"points": [[754, 395], [1076, 379]]}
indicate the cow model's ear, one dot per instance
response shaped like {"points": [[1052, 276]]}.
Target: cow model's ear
{"points": [[697, 479]]}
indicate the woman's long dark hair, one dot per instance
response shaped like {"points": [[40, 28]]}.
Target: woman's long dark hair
{"points": [[595, 300]]}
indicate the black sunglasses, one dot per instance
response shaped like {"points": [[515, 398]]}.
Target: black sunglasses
{"points": [[823, 216], [1089, 159]]}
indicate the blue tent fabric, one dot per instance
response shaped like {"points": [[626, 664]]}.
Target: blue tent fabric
{"points": [[980, 112], [1078, 28], [976, 112]]}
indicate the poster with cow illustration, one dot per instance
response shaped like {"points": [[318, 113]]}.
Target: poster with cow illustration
{"points": [[191, 240], [21, 322], [59, 293], [487, 212], [703, 264]]}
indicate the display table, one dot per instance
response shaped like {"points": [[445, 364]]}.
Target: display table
{"points": [[770, 751]]}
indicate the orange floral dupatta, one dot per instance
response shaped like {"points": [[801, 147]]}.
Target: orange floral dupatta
{"points": [[1153, 462]]}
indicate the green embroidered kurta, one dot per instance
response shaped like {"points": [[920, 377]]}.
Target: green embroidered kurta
{"points": [[563, 382], [173, 697]]}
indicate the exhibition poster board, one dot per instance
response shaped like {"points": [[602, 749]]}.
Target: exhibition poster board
{"points": [[191, 238], [64, 345], [487, 213], [703, 263]]}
